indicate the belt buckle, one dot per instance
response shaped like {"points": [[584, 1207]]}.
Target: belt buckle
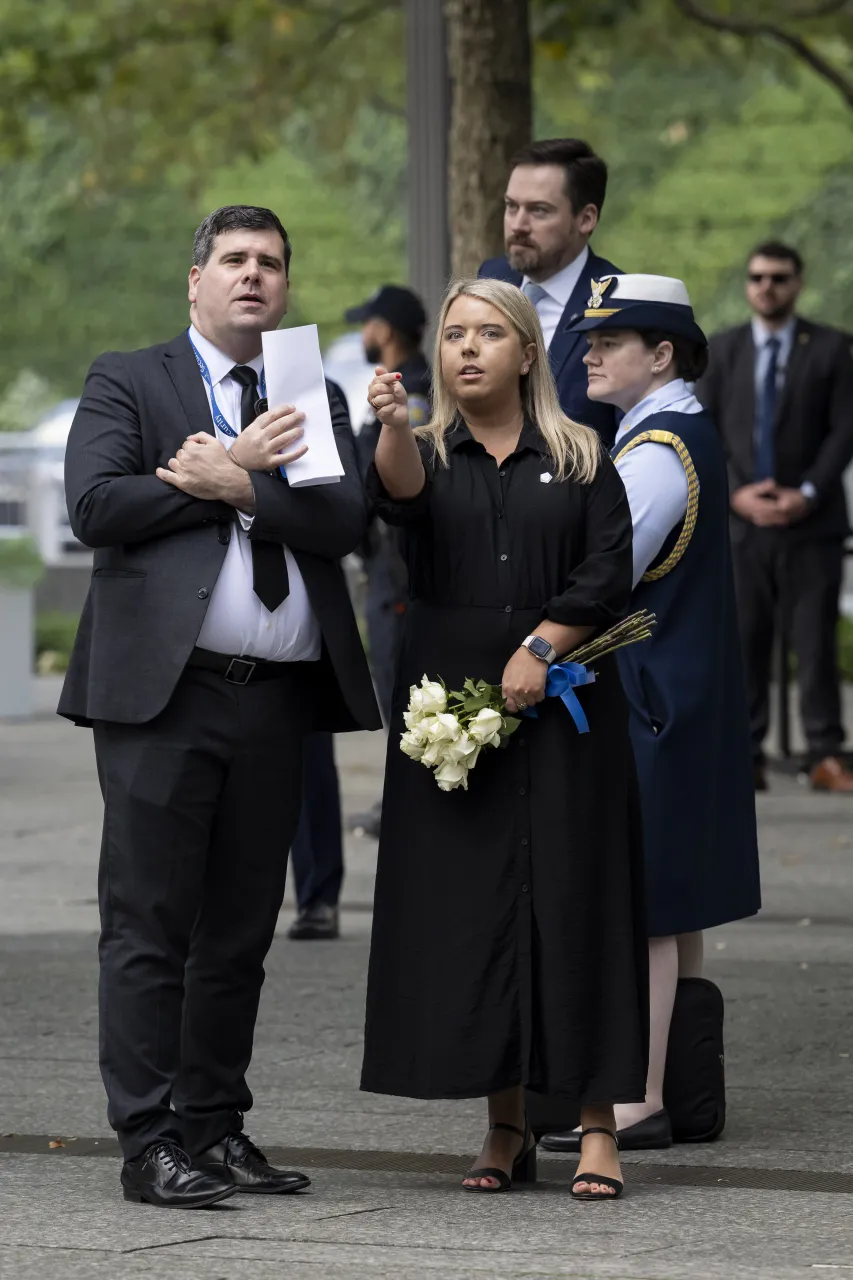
{"points": [[235, 676]]}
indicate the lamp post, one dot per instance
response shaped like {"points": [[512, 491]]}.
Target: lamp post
{"points": [[428, 118]]}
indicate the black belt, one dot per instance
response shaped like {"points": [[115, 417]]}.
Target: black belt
{"points": [[240, 670]]}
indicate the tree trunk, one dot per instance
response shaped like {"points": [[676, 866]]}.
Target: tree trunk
{"points": [[491, 117]]}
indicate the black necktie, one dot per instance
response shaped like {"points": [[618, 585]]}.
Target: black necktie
{"points": [[269, 567]]}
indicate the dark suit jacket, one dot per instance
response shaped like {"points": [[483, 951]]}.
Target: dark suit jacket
{"points": [[158, 552], [814, 424], [568, 349]]}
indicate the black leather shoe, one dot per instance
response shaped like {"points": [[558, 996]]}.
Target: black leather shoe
{"points": [[312, 923], [652, 1134], [165, 1176], [238, 1159]]}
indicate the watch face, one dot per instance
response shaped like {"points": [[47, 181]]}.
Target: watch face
{"points": [[540, 647]]}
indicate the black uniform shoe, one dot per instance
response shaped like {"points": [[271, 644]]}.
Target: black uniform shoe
{"points": [[652, 1134], [164, 1176], [238, 1159], [315, 922]]}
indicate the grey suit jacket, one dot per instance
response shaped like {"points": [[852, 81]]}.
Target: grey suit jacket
{"points": [[158, 552]]}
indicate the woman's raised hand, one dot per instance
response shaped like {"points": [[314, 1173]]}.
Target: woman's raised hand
{"points": [[388, 400]]}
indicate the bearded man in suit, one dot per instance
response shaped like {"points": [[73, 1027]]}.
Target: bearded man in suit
{"points": [[780, 389], [552, 206]]}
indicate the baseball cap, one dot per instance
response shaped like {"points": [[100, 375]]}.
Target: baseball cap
{"points": [[400, 307]]}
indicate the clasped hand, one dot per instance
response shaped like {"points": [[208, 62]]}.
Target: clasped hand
{"points": [[523, 682], [769, 505]]}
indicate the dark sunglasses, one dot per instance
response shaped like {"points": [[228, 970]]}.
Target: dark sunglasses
{"points": [[775, 277]]}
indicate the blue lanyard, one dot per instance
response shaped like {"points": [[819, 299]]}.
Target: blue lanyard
{"points": [[219, 420]]}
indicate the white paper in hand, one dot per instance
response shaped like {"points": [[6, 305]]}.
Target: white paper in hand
{"points": [[294, 374]]}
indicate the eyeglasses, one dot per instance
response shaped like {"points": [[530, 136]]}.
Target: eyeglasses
{"points": [[775, 277]]}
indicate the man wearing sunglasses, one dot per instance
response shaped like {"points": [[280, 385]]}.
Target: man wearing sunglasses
{"points": [[781, 391]]}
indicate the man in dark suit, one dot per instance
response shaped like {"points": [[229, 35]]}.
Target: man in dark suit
{"points": [[217, 632], [552, 206], [781, 392]]}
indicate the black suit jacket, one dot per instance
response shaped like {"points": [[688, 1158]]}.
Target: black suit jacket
{"points": [[568, 348], [814, 424], [158, 552]]}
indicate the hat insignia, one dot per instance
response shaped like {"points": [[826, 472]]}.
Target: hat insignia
{"points": [[599, 288]]}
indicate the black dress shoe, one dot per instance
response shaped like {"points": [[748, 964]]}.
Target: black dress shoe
{"points": [[652, 1134], [165, 1176], [320, 922], [238, 1159]]}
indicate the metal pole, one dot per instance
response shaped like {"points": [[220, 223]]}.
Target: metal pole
{"points": [[428, 116]]}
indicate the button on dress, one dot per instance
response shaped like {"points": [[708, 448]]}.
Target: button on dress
{"points": [[508, 935]]}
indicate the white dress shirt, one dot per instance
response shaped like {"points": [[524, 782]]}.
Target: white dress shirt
{"points": [[236, 622], [653, 476], [555, 294]]}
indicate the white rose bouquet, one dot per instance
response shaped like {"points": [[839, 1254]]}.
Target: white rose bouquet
{"points": [[447, 730]]}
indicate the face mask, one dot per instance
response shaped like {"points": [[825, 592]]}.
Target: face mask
{"points": [[373, 354]]}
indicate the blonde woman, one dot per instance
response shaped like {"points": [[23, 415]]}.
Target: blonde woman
{"points": [[508, 945]]}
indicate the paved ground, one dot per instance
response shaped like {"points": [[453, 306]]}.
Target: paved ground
{"points": [[772, 1199]]}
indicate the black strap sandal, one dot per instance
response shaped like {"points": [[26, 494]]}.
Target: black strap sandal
{"points": [[523, 1166], [618, 1187]]}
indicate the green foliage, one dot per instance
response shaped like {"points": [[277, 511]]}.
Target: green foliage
{"points": [[25, 400], [20, 563], [55, 632]]}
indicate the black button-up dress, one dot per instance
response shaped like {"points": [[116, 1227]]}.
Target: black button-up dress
{"points": [[508, 936]]}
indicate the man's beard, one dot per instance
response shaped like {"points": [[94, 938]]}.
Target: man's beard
{"points": [[373, 354], [777, 312], [524, 257]]}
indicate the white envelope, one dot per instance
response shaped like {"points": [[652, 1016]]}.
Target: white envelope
{"points": [[294, 373]]}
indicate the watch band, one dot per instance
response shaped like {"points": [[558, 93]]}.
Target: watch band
{"points": [[548, 656]]}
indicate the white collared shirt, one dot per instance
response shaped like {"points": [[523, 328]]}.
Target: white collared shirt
{"points": [[558, 290], [653, 476], [236, 622]]}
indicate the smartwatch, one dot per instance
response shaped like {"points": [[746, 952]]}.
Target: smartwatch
{"points": [[540, 648]]}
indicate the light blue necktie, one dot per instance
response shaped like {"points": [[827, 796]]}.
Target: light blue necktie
{"points": [[765, 434], [534, 292]]}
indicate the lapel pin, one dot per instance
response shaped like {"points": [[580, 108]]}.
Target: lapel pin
{"points": [[803, 339], [545, 477]]}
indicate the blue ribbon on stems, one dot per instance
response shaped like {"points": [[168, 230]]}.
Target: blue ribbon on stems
{"points": [[561, 681]]}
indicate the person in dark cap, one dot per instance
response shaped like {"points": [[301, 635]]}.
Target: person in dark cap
{"points": [[393, 321]]}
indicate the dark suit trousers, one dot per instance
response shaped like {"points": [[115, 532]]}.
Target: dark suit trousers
{"points": [[200, 806], [775, 572], [317, 850]]}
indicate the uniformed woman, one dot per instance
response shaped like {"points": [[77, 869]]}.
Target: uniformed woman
{"points": [[689, 722]]}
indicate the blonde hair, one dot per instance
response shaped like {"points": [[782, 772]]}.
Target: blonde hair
{"points": [[575, 449]]}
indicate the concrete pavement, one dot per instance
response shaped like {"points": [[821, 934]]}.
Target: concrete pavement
{"points": [[772, 1199]]}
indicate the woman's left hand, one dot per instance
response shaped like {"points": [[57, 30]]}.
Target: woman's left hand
{"points": [[523, 682]]}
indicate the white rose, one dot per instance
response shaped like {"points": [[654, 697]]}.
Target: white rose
{"points": [[450, 776], [441, 728], [434, 753], [485, 727], [433, 697], [412, 719], [412, 745], [463, 751]]}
